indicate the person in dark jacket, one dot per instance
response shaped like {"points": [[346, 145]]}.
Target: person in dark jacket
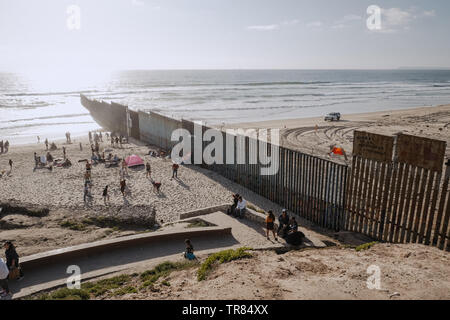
{"points": [[234, 205], [12, 258], [293, 225], [283, 223]]}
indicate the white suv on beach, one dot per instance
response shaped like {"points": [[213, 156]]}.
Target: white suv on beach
{"points": [[334, 116]]}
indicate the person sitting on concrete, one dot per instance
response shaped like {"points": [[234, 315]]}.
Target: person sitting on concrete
{"points": [[283, 223], [189, 253], [4, 272], [241, 207]]}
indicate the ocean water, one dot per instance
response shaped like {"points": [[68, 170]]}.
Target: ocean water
{"points": [[48, 105]]}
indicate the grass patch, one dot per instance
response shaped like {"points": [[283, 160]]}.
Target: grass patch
{"points": [[101, 287], [219, 258], [366, 246], [252, 207], [65, 294], [199, 223], [73, 225], [126, 290], [166, 283], [164, 269]]}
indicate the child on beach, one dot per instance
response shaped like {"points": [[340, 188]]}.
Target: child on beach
{"points": [[175, 167], [10, 164], [189, 253], [270, 225]]}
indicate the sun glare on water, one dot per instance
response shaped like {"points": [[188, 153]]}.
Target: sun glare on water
{"points": [[65, 80]]}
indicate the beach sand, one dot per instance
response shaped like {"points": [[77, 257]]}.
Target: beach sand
{"points": [[302, 134], [62, 192], [407, 271]]}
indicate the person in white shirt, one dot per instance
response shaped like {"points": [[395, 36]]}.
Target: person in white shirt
{"points": [[240, 208], [4, 272]]}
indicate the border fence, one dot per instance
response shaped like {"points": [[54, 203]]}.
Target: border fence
{"points": [[394, 190]]}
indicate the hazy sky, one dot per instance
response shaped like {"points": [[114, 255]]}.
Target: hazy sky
{"points": [[222, 34]]}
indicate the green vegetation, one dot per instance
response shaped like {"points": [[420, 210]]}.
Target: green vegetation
{"points": [[219, 258], [252, 207], [113, 287], [66, 294], [164, 269], [166, 283], [129, 284], [72, 225], [106, 285], [199, 223], [366, 246]]}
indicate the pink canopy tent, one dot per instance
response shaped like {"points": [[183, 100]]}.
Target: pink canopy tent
{"points": [[134, 161]]}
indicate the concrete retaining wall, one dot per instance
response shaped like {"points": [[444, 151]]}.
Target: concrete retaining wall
{"points": [[59, 255], [204, 211]]}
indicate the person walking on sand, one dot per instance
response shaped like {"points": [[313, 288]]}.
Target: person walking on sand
{"points": [[175, 167], [36, 161], [1, 146], [46, 144], [270, 225], [90, 137], [39, 139], [148, 169], [85, 192], [106, 196], [123, 185], [6, 146], [124, 167], [10, 164], [64, 152], [81, 146]]}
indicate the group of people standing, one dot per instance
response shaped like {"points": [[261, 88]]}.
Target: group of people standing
{"points": [[287, 227]]}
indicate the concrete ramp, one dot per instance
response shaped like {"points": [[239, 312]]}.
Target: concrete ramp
{"points": [[48, 270]]}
